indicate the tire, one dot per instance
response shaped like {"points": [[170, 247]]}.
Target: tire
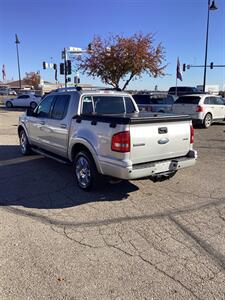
{"points": [[24, 144], [85, 170], [162, 177], [9, 104], [207, 121], [33, 105]]}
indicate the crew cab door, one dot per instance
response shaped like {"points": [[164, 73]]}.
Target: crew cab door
{"points": [[56, 128], [37, 124]]}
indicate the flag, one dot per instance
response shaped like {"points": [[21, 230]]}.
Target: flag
{"points": [[179, 74], [3, 72]]}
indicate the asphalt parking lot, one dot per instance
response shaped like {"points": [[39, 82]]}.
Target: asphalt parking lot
{"points": [[133, 240]]}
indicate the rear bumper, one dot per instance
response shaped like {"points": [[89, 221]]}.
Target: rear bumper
{"points": [[197, 121], [150, 168]]}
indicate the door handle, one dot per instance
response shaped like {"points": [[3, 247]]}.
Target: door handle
{"points": [[42, 122], [62, 125]]}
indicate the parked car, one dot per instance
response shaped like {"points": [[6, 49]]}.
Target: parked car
{"points": [[182, 90], [7, 91], [204, 109], [103, 133], [23, 101], [155, 103]]}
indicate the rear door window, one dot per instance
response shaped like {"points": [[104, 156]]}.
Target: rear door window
{"points": [[207, 100], [60, 107], [188, 100]]}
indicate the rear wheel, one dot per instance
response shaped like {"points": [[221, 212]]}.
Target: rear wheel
{"points": [[9, 104], [85, 170], [24, 144], [207, 121], [33, 105]]}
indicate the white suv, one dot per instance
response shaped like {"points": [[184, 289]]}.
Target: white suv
{"points": [[204, 109]]}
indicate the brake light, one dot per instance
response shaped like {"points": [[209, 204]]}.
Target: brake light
{"points": [[121, 142], [192, 133], [199, 108]]}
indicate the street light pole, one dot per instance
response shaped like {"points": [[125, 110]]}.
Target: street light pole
{"points": [[18, 59], [65, 66], [210, 7]]}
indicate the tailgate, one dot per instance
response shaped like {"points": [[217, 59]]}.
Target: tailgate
{"points": [[159, 141]]}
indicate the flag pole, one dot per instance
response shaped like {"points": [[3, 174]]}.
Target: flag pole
{"points": [[176, 85]]}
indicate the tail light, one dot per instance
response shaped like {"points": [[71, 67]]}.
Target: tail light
{"points": [[192, 133], [199, 108], [121, 142]]}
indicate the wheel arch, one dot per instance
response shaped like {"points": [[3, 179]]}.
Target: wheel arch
{"points": [[20, 128], [84, 145]]}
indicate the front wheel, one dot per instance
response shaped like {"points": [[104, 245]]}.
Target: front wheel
{"points": [[24, 144], [85, 170], [207, 121]]}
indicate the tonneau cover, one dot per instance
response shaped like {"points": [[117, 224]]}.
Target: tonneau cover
{"points": [[134, 118]]}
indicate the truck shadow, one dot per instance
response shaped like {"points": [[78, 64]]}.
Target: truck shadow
{"points": [[37, 182]]}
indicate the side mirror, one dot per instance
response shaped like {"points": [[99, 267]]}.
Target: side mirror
{"points": [[31, 112]]}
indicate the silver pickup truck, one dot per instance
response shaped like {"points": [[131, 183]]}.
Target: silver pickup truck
{"points": [[101, 132]]}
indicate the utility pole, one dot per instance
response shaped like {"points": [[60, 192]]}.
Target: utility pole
{"points": [[18, 59]]}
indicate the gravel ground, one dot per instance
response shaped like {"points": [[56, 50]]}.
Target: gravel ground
{"points": [[133, 240]]}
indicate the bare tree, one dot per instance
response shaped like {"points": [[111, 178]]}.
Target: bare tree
{"points": [[33, 79]]}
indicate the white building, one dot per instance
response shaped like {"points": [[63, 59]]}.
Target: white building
{"points": [[210, 88]]}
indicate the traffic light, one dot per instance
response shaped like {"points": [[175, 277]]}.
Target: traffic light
{"points": [[45, 65], [69, 67], [184, 67], [62, 69], [55, 66], [211, 65]]}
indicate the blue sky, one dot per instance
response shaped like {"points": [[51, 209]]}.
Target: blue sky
{"points": [[45, 27]]}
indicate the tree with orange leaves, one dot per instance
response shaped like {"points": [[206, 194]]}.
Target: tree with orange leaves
{"points": [[123, 59]]}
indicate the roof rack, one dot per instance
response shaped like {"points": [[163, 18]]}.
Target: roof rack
{"points": [[80, 88]]}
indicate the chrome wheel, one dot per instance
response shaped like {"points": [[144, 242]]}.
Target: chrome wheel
{"points": [[83, 172], [23, 142], [208, 120]]}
